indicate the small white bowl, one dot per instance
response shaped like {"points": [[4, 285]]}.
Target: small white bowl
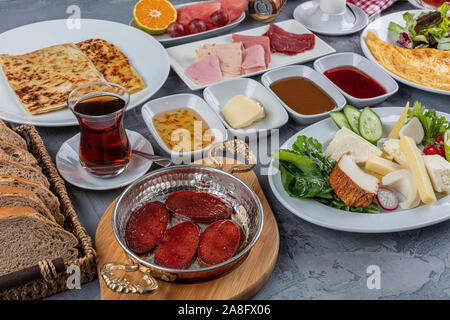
{"points": [[182, 101], [319, 79], [371, 69], [217, 96]]}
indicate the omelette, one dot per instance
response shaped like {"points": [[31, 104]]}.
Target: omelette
{"points": [[112, 64], [427, 67], [43, 79]]}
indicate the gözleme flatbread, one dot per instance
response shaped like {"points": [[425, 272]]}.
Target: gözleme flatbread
{"points": [[42, 79], [112, 64], [427, 67]]}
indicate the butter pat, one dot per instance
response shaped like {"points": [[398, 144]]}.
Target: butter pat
{"points": [[439, 171], [241, 111]]}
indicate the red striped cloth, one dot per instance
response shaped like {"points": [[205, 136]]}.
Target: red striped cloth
{"points": [[372, 7]]}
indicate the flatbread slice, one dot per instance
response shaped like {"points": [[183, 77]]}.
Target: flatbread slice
{"points": [[112, 64], [42, 79], [427, 67]]}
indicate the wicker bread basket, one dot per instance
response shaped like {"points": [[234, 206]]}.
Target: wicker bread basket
{"points": [[54, 282]]}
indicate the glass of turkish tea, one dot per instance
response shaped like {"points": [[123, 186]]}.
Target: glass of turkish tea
{"points": [[99, 108]]}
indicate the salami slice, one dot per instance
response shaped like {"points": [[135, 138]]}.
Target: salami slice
{"points": [[219, 242], [146, 226], [198, 206], [178, 246]]}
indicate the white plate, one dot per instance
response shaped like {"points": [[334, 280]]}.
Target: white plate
{"points": [[69, 166], [353, 20], [380, 27], [177, 101], [306, 72], [167, 40], [181, 57], [325, 216], [146, 55], [370, 68], [217, 96]]}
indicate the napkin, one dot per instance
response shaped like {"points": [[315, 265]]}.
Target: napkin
{"points": [[372, 7]]}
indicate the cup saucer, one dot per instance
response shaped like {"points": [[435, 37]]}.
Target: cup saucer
{"points": [[69, 166], [309, 14]]}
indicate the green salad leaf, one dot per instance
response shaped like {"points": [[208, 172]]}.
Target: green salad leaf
{"points": [[305, 173], [432, 124]]}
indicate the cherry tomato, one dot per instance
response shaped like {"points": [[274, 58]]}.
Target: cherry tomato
{"points": [[440, 138]]}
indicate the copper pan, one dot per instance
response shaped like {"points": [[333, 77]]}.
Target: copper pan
{"points": [[156, 185]]}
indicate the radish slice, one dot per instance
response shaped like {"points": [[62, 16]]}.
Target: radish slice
{"points": [[387, 199]]}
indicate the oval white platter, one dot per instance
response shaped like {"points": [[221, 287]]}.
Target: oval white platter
{"points": [[380, 27], [145, 54], [325, 216]]}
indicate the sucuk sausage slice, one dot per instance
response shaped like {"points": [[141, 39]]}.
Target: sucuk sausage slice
{"points": [[146, 226], [178, 246], [198, 206], [219, 242]]}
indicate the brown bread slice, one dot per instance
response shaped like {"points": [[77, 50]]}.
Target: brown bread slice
{"points": [[15, 153], [17, 197], [8, 135], [27, 238], [47, 197], [16, 169]]}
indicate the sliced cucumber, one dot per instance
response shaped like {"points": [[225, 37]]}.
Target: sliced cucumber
{"points": [[370, 126], [352, 114], [339, 119]]}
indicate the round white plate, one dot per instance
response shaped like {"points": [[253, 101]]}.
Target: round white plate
{"points": [[380, 27], [146, 55], [325, 216], [69, 166], [310, 15], [167, 40]]}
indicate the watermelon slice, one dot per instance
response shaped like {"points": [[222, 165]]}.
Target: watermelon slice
{"points": [[234, 7], [197, 11]]}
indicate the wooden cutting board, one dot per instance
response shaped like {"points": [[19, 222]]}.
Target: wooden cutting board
{"points": [[242, 282]]}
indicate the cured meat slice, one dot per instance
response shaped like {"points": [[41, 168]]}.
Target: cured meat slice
{"points": [[146, 226], [219, 242], [205, 71], [178, 246], [248, 41], [253, 59], [197, 11], [234, 8], [229, 54], [198, 206], [287, 42]]}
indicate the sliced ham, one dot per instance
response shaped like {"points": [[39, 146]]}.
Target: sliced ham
{"points": [[287, 42], [229, 54], [253, 59], [205, 71], [248, 41]]}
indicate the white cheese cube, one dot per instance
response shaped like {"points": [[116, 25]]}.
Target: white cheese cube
{"points": [[439, 171]]}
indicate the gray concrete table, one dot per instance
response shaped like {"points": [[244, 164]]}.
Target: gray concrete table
{"points": [[314, 262]]}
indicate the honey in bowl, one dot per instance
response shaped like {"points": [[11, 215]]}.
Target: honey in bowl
{"points": [[302, 95], [183, 130]]}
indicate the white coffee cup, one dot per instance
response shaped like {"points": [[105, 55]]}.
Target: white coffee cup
{"points": [[332, 6]]}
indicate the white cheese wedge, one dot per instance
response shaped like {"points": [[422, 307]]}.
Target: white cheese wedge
{"points": [[391, 148], [346, 141], [402, 181], [241, 111], [414, 130], [439, 171], [417, 166], [381, 166]]}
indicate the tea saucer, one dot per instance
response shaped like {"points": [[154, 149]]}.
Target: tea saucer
{"points": [[309, 14], [69, 166]]}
